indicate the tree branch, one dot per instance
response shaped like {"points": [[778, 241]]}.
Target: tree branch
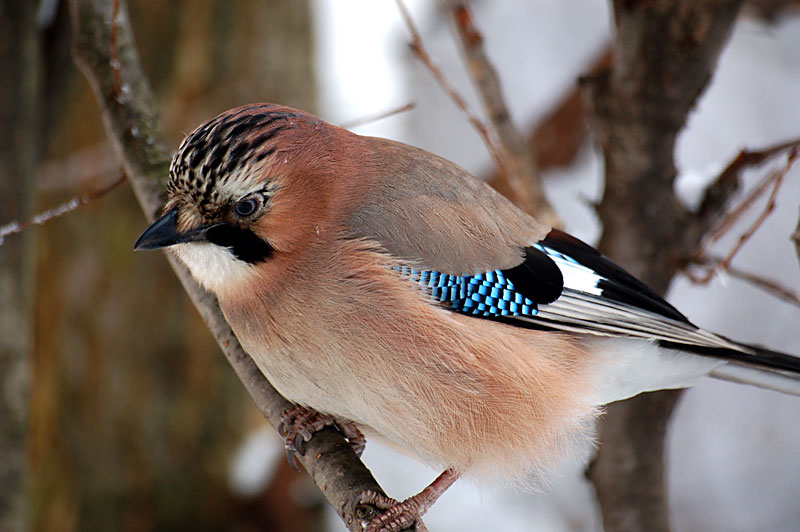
{"points": [[377, 116], [419, 50], [665, 52], [775, 179], [67, 207], [717, 195], [557, 139], [127, 107], [774, 288], [520, 170]]}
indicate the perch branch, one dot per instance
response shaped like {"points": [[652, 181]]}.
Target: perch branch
{"points": [[132, 126]]}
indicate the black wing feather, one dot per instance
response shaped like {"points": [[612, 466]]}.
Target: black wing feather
{"points": [[537, 277], [617, 284]]}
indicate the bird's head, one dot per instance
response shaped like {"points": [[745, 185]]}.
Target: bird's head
{"points": [[235, 194]]}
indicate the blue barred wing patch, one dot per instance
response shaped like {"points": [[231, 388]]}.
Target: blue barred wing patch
{"points": [[488, 294]]}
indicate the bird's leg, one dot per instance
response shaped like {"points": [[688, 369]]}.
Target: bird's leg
{"points": [[401, 515], [299, 423]]}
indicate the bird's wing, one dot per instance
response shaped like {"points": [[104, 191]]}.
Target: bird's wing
{"points": [[564, 284], [474, 252], [427, 211]]}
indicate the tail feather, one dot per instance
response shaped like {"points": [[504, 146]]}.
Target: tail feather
{"points": [[749, 354], [742, 373], [750, 364]]}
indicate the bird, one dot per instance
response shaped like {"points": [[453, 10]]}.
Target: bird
{"points": [[386, 291]]}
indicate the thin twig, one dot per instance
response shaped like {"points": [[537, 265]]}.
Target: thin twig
{"points": [[522, 172], [776, 179], [717, 195], [378, 116], [774, 288], [746, 159], [419, 50], [735, 214], [60, 210]]}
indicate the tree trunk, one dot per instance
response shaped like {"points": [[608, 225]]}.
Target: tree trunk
{"points": [[19, 147]]}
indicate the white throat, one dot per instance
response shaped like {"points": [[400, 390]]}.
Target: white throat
{"points": [[213, 266]]}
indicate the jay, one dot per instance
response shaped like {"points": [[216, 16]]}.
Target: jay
{"points": [[386, 290]]}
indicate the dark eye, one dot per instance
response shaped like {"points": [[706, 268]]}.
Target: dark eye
{"points": [[246, 207]]}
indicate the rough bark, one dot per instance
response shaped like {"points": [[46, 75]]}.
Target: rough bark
{"points": [[19, 145], [665, 52]]}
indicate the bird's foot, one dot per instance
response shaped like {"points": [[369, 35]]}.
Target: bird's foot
{"points": [[401, 515], [299, 423], [398, 515]]}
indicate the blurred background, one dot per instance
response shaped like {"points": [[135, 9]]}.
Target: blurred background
{"points": [[137, 421]]}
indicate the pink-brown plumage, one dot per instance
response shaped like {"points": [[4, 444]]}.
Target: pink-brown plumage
{"points": [[313, 239], [333, 327], [349, 337]]}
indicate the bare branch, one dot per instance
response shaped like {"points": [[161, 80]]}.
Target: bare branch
{"points": [[773, 288], [521, 170], [727, 183], [557, 139], [419, 50], [13, 228], [133, 129], [775, 179], [378, 116]]}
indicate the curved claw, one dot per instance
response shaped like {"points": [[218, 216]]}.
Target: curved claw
{"points": [[300, 444], [291, 458], [294, 446]]}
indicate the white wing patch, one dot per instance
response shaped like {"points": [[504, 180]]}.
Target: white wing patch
{"points": [[576, 276], [583, 308]]}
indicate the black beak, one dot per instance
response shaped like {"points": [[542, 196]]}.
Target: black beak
{"points": [[164, 232]]}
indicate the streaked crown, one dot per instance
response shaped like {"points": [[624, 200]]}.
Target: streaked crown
{"points": [[227, 158]]}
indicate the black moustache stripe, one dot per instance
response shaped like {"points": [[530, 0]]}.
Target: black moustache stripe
{"points": [[243, 243]]}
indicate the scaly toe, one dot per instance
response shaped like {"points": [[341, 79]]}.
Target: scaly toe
{"points": [[298, 425], [398, 515]]}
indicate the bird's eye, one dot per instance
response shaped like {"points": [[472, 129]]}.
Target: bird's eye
{"points": [[246, 207]]}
